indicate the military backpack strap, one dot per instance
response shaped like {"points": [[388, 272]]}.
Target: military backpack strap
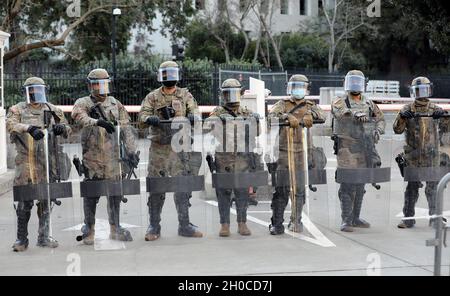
{"points": [[347, 103], [231, 112]]}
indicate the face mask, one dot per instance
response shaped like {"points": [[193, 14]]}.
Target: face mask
{"points": [[299, 93], [169, 83]]}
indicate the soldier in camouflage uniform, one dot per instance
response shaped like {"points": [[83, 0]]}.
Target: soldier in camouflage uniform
{"points": [[351, 115], [174, 102], [422, 143], [299, 112], [101, 149], [25, 123], [233, 161]]}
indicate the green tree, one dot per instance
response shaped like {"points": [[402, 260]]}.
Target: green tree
{"points": [[45, 24]]}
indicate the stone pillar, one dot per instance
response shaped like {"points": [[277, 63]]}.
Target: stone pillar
{"points": [[3, 147]]}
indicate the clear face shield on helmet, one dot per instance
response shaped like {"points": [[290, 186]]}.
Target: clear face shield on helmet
{"points": [[297, 89], [168, 74], [231, 95], [35, 94], [420, 91], [354, 83], [100, 87]]}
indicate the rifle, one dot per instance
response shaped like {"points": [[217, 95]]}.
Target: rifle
{"points": [[373, 159], [48, 115], [97, 112]]}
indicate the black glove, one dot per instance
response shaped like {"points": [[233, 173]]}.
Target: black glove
{"points": [[406, 114], [106, 125], [360, 117], [152, 120], [59, 129], [438, 114], [35, 132]]}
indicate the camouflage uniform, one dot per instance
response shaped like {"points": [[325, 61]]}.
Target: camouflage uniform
{"points": [[31, 163], [233, 162], [101, 155], [163, 161], [421, 150], [281, 195], [351, 151]]}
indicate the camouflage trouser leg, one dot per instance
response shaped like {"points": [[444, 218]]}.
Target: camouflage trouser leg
{"points": [[90, 207], [182, 205], [431, 193], [224, 203], [296, 217], [241, 196], [279, 202], [113, 206], [357, 204], [155, 204], [23, 212], [43, 213], [346, 196], [411, 197]]}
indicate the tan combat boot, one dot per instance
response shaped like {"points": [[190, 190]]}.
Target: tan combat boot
{"points": [[90, 238], [151, 237], [224, 230], [243, 229]]}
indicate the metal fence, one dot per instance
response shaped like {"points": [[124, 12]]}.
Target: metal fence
{"points": [[134, 83]]}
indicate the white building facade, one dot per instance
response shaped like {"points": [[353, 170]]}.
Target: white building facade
{"points": [[285, 16]]}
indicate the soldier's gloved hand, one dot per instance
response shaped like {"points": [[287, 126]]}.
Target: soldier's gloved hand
{"points": [[308, 120], [153, 120], [59, 129], [438, 114], [407, 114], [35, 132], [360, 117], [293, 121], [106, 125]]}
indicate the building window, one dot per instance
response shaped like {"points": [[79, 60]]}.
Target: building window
{"points": [[284, 6], [302, 5], [199, 4], [320, 4]]}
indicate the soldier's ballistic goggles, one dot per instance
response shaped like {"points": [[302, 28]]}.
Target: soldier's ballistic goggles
{"points": [[35, 94], [297, 88], [421, 91], [232, 95], [99, 86], [355, 83], [168, 74]]}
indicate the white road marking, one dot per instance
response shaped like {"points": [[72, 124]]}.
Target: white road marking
{"points": [[318, 237], [102, 241]]}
